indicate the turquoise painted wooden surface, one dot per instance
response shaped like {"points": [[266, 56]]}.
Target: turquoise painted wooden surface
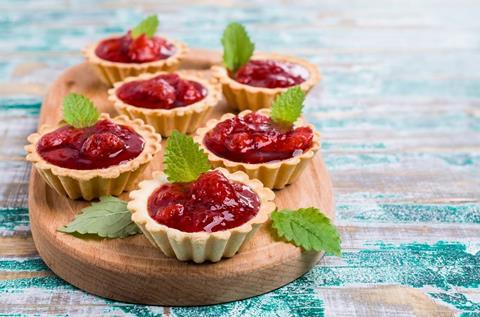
{"points": [[399, 109]]}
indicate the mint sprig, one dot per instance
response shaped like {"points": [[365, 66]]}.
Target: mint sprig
{"points": [[148, 27], [108, 218], [237, 46], [307, 228], [183, 160], [287, 107], [79, 111]]}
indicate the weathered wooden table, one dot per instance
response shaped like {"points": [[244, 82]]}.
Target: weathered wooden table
{"points": [[399, 108]]}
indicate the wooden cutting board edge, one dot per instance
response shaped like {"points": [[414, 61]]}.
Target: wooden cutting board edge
{"points": [[131, 269]]}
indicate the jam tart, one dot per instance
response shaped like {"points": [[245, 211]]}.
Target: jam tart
{"points": [[251, 143], [116, 58], [206, 220], [104, 159], [263, 78], [177, 101]]}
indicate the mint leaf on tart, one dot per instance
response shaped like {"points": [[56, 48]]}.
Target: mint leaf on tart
{"points": [[237, 46], [148, 27], [183, 160], [108, 218], [79, 111], [307, 228], [287, 107]]}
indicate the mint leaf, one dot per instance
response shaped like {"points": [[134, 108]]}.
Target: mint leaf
{"points": [[237, 46], [148, 27], [307, 228], [183, 160], [108, 218], [287, 107], [79, 111]]}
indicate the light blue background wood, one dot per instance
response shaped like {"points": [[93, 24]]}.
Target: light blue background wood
{"points": [[399, 109]]}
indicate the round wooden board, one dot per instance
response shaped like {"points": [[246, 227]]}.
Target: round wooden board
{"points": [[131, 269]]}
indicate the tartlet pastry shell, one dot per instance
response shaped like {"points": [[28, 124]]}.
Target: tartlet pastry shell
{"points": [[198, 246], [274, 175], [90, 184], [111, 72], [184, 119], [244, 97]]}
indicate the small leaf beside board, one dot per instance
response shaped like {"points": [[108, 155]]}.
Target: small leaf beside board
{"points": [[108, 218], [307, 228]]}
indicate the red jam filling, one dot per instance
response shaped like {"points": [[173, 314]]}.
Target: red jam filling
{"points": [[271, 74], [211, 203], [254, 138], [99, 146], [143, 49], [162, 92]]}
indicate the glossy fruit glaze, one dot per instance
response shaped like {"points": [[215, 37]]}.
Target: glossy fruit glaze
{"points": [[254, 138], [99, 146], [211, 203], [143, 49], [162, 92], [271, 74]]}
